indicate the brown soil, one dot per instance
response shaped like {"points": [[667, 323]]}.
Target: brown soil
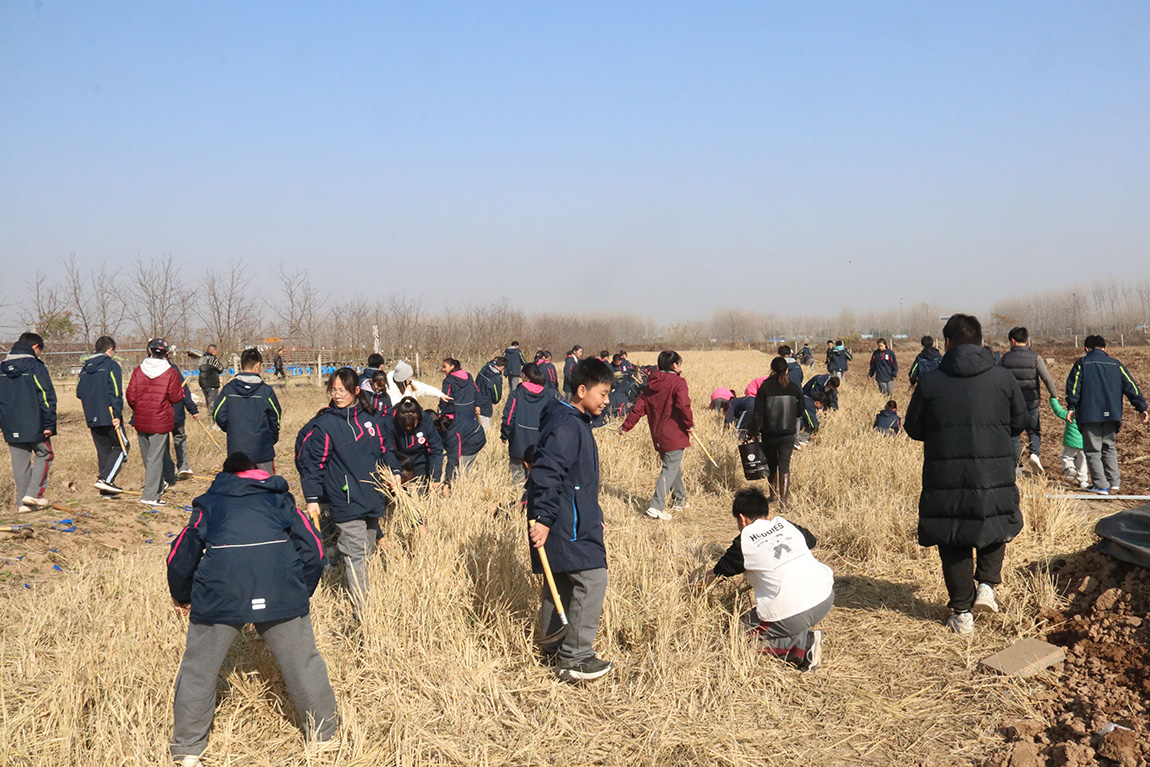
{"points": [[1106, 677]]}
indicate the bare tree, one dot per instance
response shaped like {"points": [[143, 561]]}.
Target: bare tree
{"points": [[296, 307], [160, 309], [227, 306], [47, 309], [97, 300]]}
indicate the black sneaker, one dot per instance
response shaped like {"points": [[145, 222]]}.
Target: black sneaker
{"points": [[586, 670], [164, 485], [108, 488]]}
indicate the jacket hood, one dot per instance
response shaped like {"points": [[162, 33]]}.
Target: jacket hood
{"points": [[461, 375], [154, 367], [237, 486], [14, 365], [966, 360], [21, 350], [532, 391], [97, 363], [930, 353], [247, 382], [559, 409], [662, 380]]}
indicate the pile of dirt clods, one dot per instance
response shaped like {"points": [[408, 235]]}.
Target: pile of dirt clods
{"points": [[1099, 712]]}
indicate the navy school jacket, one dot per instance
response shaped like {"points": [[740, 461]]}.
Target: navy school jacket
{"points": [[883, 365], [101, 386], [837, 360], [27, 397], [365, 378], [463, 391], [927, 360], [550, 376], [247, 555], [818, 385], [794, 370], [465, 436], [1095, 387], [887, 421], [563, 491], [520, 427], [568, 365], [490, 384], [514, 359], [739, 413], [338, 455], [810, 415], [250, 413], [423, 446], [186, 405]]}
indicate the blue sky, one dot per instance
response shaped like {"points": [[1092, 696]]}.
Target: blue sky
{"points": [[662, 158]]}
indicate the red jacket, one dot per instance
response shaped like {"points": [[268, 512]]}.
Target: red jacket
{"points": [[667, 406], [154, 388]]}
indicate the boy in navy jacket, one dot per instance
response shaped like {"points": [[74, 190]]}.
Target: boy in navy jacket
{"points": [[514, 367], [1094, 391], [180, 469], [927, 360], [825, 385], [490, 383], [567, 521], [101, 392], [247, 555], [569, 364], [249, 411], [28, 419], [520, 428]]}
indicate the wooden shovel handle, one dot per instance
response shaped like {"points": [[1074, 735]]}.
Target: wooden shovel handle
{"points": [[550, 579]]}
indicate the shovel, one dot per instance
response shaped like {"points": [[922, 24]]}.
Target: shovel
{"points": [[209, 433], [705, 451], [119, 434], [562, 632]]}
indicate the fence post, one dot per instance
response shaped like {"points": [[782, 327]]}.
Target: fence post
{"points": [[417, 365], [319, 369]]}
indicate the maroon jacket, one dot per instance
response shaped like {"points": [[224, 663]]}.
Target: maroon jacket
{"points": [[154, 388], [667, 406]]}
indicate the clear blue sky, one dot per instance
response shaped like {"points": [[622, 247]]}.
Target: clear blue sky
{"points": [[663, 158]]}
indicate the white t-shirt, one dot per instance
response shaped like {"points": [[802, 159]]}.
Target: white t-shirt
{"points": [[786, 576]]}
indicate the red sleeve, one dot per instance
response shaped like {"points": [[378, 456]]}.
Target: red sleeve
{"points": [[132, 394], [683, 400], [636, 413], [175, 386]]}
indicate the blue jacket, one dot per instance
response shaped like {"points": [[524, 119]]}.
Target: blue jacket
{"points": [[888, 421], [338, 455], [463, 391], [883, 365], [927, 360], [465, 436], [563, 491], [794, 370], [187, 404], [490, 383], [101, 386], [27, 397], [837, 359], [423, 446], [568, 365], [247, 555], [550, 376], [810, 415], [520, 427], [365, 378], [1095, 387], [739, 413], [818, 385], [514, 359], [250, 413]]}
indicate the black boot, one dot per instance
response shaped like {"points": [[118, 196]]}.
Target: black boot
{"points": [[773, 483], [784, 489]]}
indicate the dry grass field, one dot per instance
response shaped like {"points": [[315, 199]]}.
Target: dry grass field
{"points": [[443, 671]]}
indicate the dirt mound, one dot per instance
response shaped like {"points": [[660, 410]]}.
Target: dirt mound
{"points": [[1106, 678]]}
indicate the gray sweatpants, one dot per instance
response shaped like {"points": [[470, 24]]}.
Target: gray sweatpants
{"points": [[485, 422], [789, 638], [518, 470], [292, 642], [154, 454], [30, 464], [355, 544], [1101, 456], [670, 480], [886, 387], [464, 466], [582, 593]]}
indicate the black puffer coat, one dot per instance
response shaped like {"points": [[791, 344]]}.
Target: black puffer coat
{"points": [[965, 413]]}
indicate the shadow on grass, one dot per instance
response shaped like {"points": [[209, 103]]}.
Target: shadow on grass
{"points": [[866, 593]]}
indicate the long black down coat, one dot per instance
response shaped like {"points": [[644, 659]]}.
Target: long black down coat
{"points": [[965, 413]]}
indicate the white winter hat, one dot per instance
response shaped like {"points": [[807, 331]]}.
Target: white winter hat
{"points": [[402, 372]]}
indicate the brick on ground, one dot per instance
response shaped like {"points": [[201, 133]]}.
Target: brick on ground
{"points": [[1025, 658]]}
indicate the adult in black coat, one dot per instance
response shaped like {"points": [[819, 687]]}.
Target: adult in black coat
{"points": [[965, 414]]}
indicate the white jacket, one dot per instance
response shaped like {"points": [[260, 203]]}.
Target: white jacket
{"points": [[417, 389]]}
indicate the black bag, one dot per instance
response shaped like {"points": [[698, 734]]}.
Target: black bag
{"points": [[754, 460]]}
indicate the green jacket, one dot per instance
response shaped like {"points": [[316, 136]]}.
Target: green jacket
{"points": [[1071, 437]]}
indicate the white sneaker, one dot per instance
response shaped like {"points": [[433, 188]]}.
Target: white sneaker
{"points": [[184, 474], [653, 513], [24, 509], [961, 623], [159, 502], [189, 761], [815, 654], [680, 506], [1035, 464], [984, 601], [35, 503], [665, 515]]}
